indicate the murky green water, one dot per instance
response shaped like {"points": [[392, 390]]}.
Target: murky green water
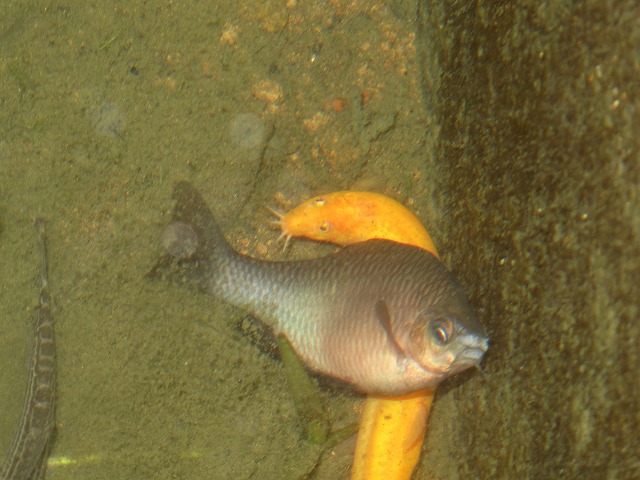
{"points": [[509, 131]]}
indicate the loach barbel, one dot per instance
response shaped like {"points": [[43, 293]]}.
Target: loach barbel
{"points": [[27, 459], [386, 317]]}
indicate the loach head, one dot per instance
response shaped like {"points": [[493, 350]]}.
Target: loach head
{"points": [[445, 337], [309, 219]]}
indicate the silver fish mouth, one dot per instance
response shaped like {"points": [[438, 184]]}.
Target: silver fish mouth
{"points": [[470, 355], [474, 341], [475, 348]]}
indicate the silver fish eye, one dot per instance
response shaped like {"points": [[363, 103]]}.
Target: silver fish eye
{"points": [[441, 330]]}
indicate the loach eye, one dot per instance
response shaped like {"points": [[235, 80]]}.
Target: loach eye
{"points": [[320, 202], [325, 227], [441, 331]]}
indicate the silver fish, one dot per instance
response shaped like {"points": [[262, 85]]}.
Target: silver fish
{"points": [[385, 317]]}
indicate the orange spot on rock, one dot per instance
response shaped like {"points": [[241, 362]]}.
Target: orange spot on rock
{"points": [[366, 95]]}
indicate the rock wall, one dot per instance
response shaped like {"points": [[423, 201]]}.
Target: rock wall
{"points": [[538, 155]]}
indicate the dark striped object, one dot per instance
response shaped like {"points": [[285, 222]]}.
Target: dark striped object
{"points": [[28, 455]]}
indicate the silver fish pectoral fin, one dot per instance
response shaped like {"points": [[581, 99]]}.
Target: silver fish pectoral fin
{"points": [[384, 317]]}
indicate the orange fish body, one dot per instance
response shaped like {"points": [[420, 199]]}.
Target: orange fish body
{"points": [[349, 217], [392, 428], [390, 436]]}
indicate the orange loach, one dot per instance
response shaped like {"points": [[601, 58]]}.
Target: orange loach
{"points": [[392, 428]]}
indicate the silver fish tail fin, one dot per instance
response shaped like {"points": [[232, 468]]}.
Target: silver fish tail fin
{"points": [[192, 241]]}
